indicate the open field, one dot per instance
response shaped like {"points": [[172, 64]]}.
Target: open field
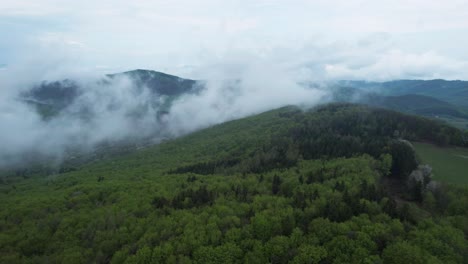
{"points": [[449, 164]]}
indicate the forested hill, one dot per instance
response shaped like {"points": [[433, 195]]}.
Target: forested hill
{"points": [[417, 104], [412, 102], [52, 97], [335, 184], [158, 82], [454, 92], [65, 91]]}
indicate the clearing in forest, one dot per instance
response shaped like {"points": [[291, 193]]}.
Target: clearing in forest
{"points": [[450, 164]]}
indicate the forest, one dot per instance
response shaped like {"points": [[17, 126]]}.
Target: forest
{"points": [[338, 183]]}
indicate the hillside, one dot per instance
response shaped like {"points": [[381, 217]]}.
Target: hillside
{"points": [[454, 92], [410, 103], [327, 185], [417, 104]]}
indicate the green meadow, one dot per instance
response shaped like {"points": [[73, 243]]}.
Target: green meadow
{"points": [[450, 164]]}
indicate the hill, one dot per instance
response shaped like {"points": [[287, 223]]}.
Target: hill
{"points": [[454, 92], [416, 104], [51, 97], [333, 184], [158, 82]]}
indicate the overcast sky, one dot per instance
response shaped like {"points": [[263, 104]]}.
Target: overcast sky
{"points": [[329, 39]]}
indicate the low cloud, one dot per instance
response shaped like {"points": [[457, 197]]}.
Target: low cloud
{"points": [[237, 83], [255, 88], [117, 109]]}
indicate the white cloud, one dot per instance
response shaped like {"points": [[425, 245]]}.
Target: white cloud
{"points": [[245, 87], [395, 64], [173, 34]]}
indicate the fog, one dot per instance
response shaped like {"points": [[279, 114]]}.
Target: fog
{"points": [[115, 109], [254, 88], [236, 83]]}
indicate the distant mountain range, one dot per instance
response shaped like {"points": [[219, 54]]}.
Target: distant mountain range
{"points": [[454, 92], [441, 99]]}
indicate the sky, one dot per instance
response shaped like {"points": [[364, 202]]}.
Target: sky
{"points": [[323, 39]]}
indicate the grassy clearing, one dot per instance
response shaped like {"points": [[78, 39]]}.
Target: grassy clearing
{"points": [[449, 164]]}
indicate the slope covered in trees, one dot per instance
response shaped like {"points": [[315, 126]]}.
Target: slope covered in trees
{"points": [[411, 103], [335, 184], [454, 92]]}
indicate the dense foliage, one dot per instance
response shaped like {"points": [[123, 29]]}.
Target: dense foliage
{"points": [[329, 185]]}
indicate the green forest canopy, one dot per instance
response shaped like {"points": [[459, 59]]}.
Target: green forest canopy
{"points": [[328, 185]]}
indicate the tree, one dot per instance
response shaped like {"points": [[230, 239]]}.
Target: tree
{"points": [[308, 254], [228, 253], [404, 252], [278, 249], [275, 188], [403, 159]]}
